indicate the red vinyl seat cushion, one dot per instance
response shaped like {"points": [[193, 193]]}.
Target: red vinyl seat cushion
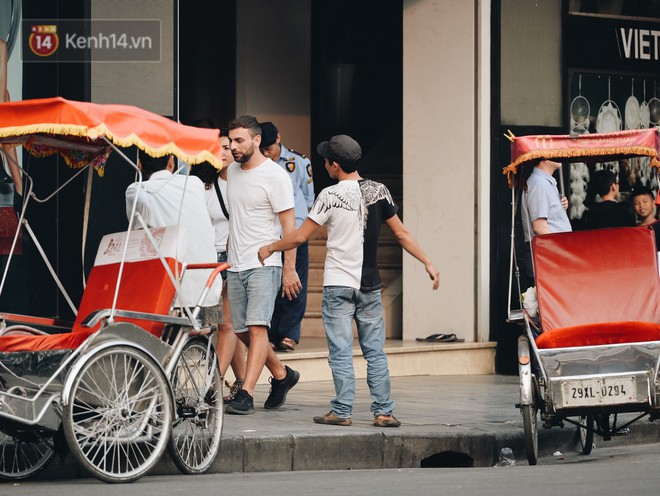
{"points": [[597, 287], [145, 287], [599, 334]]}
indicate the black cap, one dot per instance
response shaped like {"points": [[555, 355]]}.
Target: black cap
{"points": [[268, 134], [341, 149]]}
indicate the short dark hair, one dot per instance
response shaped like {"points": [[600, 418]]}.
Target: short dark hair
{"points": [[347, 167], [224, 132], [152, 164], [602, 181], [247, 122], [642, 190]]}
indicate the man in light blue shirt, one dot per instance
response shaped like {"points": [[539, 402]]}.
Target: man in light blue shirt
{"points": [[284, 332], [544, 208], [543, 212]]}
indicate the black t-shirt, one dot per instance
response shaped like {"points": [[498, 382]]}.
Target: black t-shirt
{"points": [[608, 214]]}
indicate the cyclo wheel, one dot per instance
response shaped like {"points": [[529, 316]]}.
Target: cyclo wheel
{"points": [[529, 414], [197, 428], [528, 401], [586, 431], [22, 456], [117, 420]]}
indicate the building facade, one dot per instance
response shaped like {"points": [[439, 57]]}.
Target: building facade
{"points": [[427, 86]]}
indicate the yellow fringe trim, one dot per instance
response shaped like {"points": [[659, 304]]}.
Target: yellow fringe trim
{"points": [[630, 151], [96, 132]]}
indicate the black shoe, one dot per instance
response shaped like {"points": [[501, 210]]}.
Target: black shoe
{"points": [[279, 389], [242, 404]]}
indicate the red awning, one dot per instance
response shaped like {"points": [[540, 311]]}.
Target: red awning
{"points": [[76, 130], [602, 147]]}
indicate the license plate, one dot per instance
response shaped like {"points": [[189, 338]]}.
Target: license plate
{"points": [[595, 392]]}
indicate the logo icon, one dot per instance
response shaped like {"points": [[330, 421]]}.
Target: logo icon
{"points": [[43, 40]]}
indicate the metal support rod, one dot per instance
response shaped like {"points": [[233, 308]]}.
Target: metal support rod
{"points": [[50, 267]]}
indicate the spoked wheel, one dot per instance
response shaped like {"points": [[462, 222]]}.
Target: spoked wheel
{"points": [[24, 455], [197, 387], [529, 414], [118, 417], [528, 400], [586, 431]]}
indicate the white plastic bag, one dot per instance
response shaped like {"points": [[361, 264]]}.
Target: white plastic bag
{"points": [[530, 302]]}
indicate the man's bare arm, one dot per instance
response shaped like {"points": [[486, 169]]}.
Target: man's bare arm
{"points": [[410, 244], [540, 226], [291, 284]]}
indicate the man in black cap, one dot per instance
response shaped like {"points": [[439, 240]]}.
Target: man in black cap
{"points": [[353, 210], [284, 332]]}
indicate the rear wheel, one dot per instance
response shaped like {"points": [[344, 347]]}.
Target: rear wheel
{"points": [[586, 431], [23, 455], [197, 428], [117, 420], [529, 414]]}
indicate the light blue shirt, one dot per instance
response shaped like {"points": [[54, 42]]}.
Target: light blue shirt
{"points": [[299, 169], [543, 201]]}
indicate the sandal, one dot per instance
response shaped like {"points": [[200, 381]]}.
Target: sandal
{"points": [[386, 421], [287, 344], [233, 391], [441, 338]]}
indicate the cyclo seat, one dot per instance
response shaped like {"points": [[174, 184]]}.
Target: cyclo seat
{"points": [[597, 287], [145, 287]]}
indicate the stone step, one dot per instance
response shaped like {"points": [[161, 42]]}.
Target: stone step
{"points": [[389, 251], [322, 234], [390, 256], [387, 271], [405, 358], [312, 324]]}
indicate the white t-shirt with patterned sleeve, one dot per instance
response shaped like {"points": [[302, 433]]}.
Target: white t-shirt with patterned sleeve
{"points": [[353, 211]]}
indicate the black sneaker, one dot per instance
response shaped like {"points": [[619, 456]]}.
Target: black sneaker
{"points": [[242, 404], [279, 389]]}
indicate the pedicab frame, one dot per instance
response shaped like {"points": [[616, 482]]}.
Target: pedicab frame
{"points": [[547, 372], [182, 407]]}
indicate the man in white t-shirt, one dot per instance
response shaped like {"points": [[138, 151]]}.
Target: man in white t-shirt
{"points": [[353, 209], [260, 198]]}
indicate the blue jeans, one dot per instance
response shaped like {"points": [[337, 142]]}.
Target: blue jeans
{"points": [[222, 257], [341, 305]]}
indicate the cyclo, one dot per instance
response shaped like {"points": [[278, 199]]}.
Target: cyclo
{"points": [[596, 352], [135, 374]]}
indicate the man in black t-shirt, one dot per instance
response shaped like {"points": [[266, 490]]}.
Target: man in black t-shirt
{"points": [[353, 209], [609, 212]]}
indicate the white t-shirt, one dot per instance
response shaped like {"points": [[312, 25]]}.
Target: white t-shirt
{"points": [[353, 211], [220, 222], [255, 198], [159, 201]]}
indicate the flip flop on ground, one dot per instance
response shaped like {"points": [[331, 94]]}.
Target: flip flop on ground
{"points": [[441, 338]]}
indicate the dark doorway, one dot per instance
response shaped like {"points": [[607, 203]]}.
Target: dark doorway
{"points": [[207, 62], [357, 81]]}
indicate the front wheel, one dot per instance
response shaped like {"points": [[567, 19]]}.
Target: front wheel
{"points": [[529, 413], [586, 430], [197, 386], [117, 420]]}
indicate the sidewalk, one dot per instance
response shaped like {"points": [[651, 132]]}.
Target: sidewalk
{"points": [[472, 417]]}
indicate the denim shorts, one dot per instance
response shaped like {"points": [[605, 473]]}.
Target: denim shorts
{"points": [[252, 295]]}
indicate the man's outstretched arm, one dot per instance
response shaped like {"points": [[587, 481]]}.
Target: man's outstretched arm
{"points": [[289, 241], [410, 244]]}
